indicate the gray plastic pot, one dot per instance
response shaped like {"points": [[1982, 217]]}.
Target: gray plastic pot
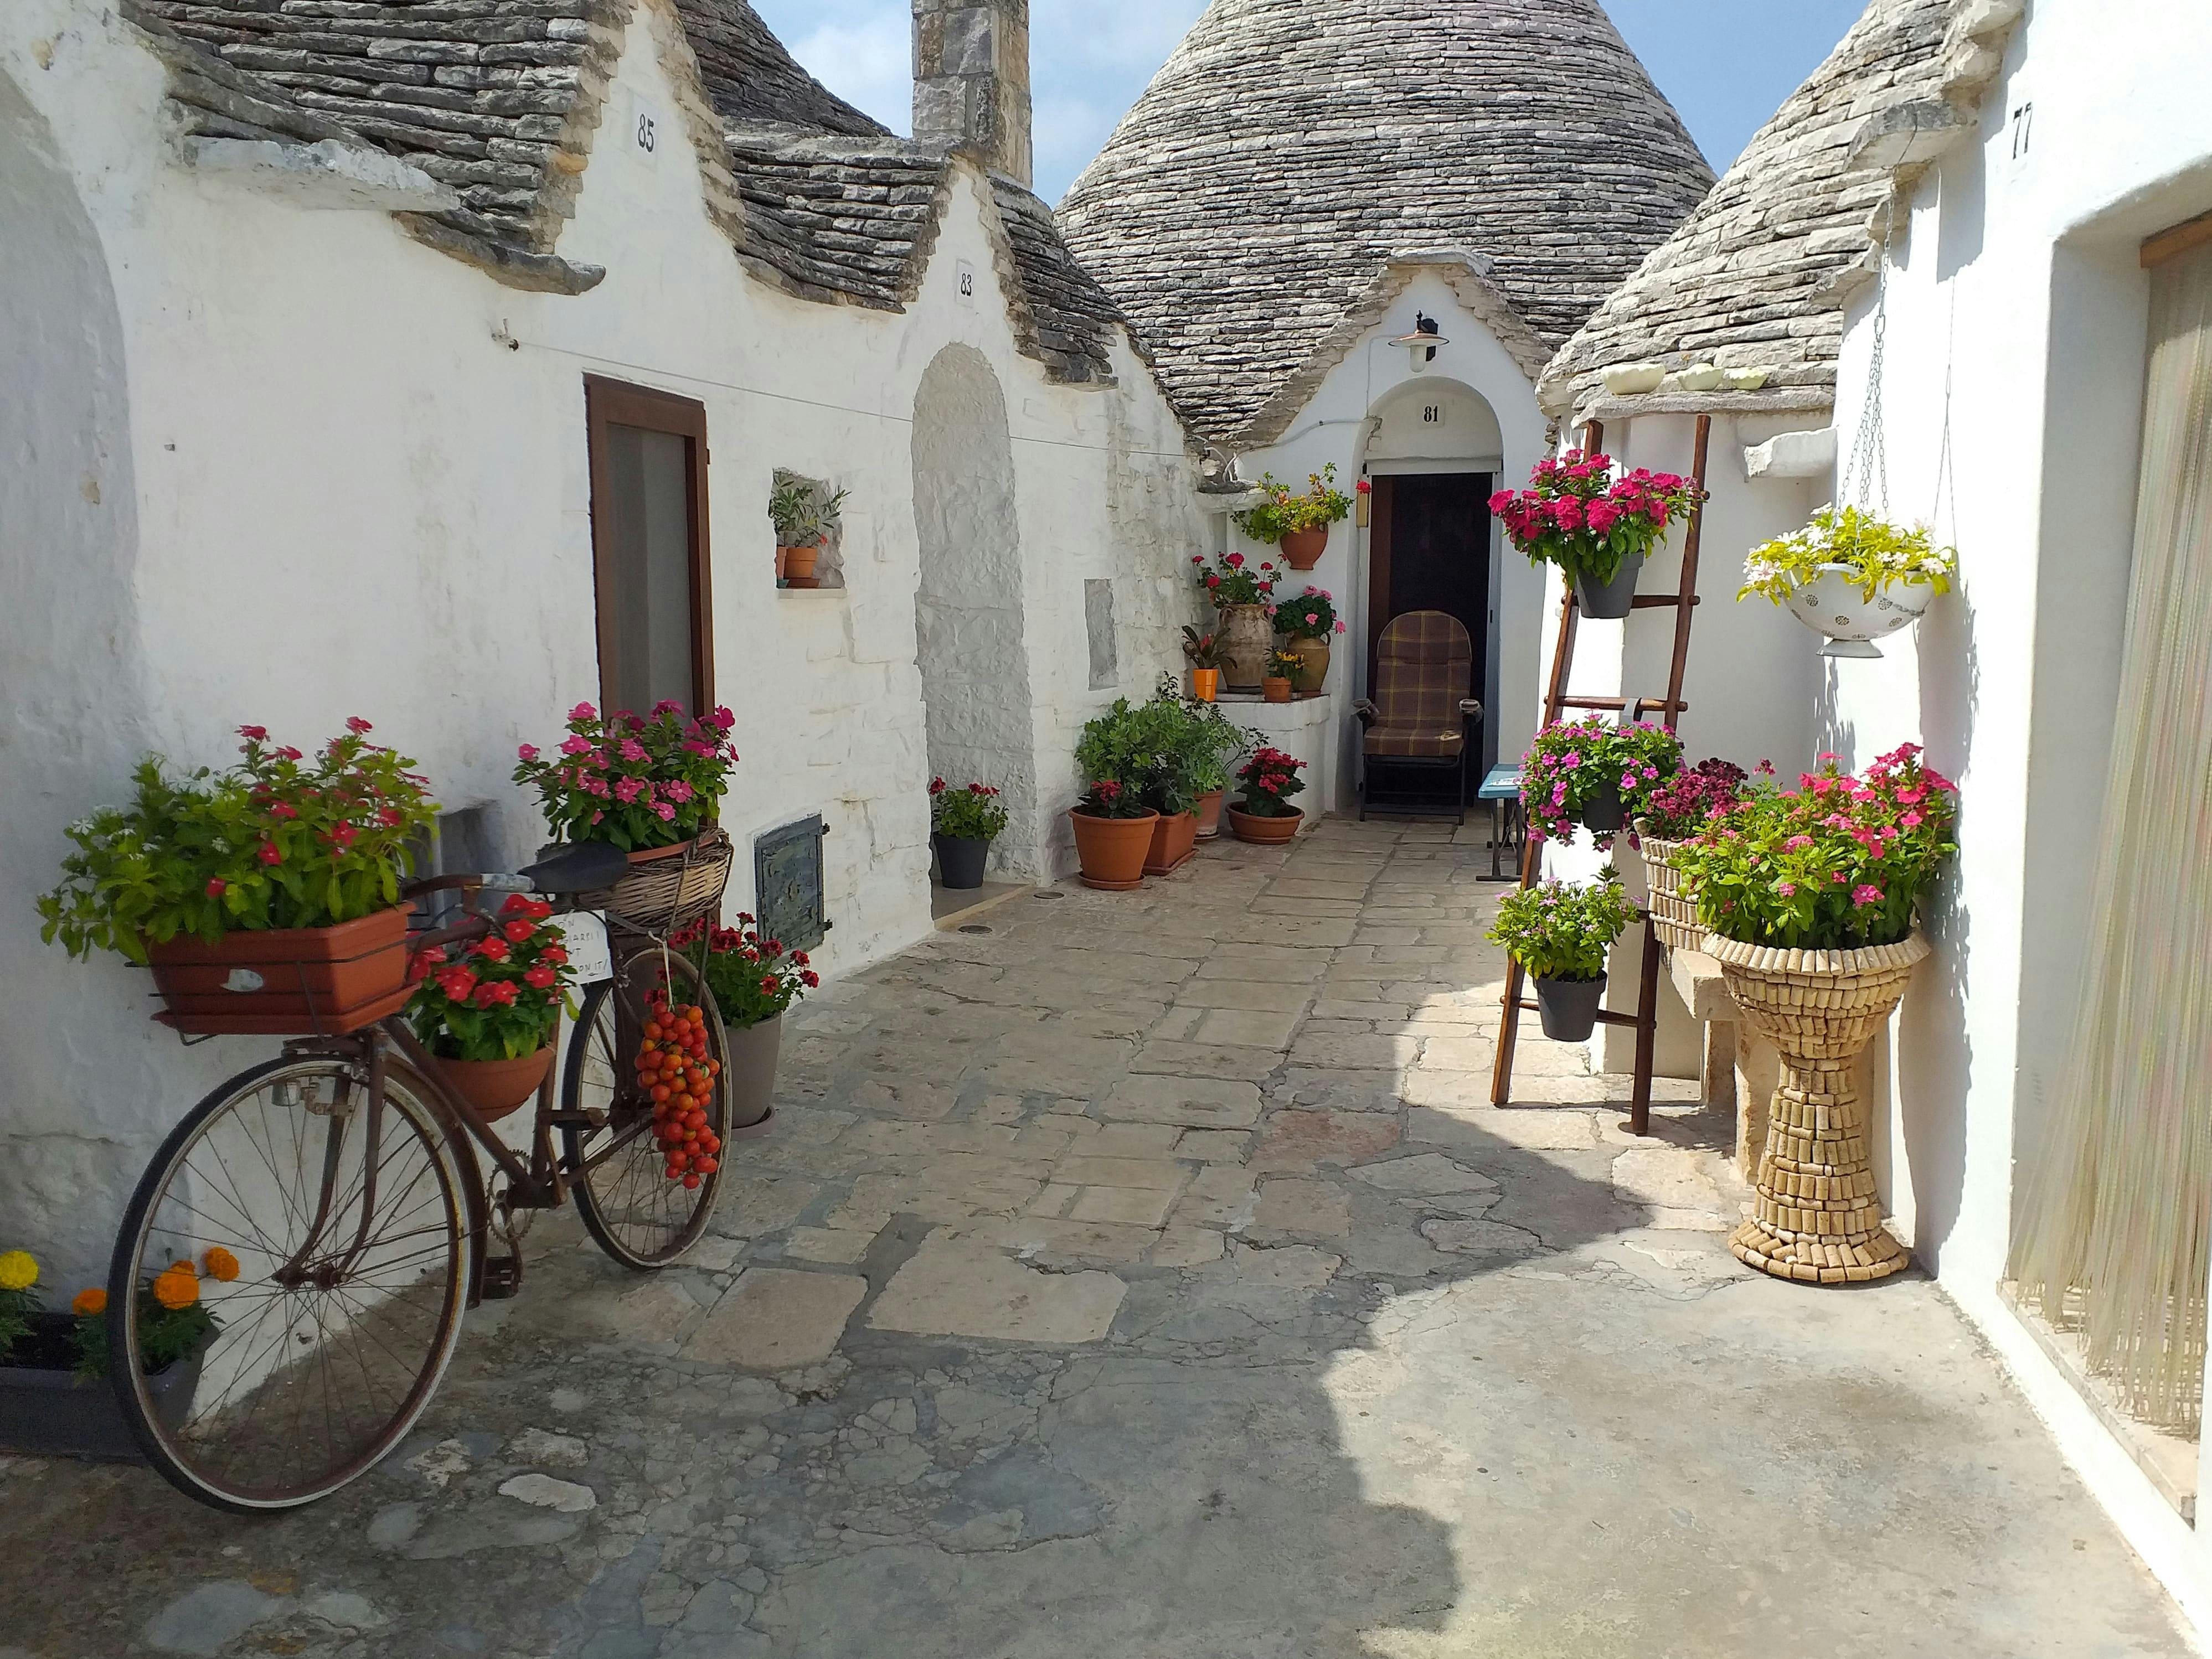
{"points": [[46, 1410], [1603, 813], [960, 860], [1568, 1007], [1610, 601]]}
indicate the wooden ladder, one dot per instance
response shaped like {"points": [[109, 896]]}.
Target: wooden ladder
{"points": [[1683, 603]]}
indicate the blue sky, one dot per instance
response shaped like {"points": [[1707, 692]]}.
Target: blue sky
{"points": [[1725, 63]]}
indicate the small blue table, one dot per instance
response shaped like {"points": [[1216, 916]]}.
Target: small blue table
{"points": [[1501, 787]]}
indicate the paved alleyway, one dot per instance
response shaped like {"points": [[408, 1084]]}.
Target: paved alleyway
{"points": [[1149, 1277]]}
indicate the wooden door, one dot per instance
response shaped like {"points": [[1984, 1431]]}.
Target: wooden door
{"points": [[1429, 549], [649, 465]]}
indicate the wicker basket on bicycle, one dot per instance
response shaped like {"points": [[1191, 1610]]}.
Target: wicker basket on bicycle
{"points": [[669, 887]]}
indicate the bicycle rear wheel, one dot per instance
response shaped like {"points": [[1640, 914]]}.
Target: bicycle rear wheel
{"points": [[642, 1215], [288, 1285]]}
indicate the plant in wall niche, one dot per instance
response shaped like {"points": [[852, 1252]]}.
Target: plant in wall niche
{"points": [[633, 781], [1873, 554], [1234, 579], [1595, 774], [1319, 505], [1835, 865], [806, 514], [1597, 529], [278, 840]]}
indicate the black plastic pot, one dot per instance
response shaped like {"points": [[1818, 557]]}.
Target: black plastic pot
{"points": [[47, 1411], [1612, 601], [1603, 814], [1568, 1007], [960, 860]]}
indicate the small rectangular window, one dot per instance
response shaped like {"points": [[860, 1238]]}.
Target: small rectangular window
{"points": [[649, 465]]}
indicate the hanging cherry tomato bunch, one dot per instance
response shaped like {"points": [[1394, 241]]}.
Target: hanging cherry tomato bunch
{"points": [[675, 1072]]}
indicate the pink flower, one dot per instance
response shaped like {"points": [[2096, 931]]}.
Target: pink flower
{"points": [[254, 734], [632, 749], [1787, 888], [289, 753], [528, 751], [627, 789], [1794, 842], [583, 711], [1866, 895], [575, 745], [1340, 627], [667, 812], [677, 789], [1911, 820], [355, 725], [666, 706]]}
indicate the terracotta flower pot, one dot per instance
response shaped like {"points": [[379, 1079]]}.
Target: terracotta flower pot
{"points": [[1313, 665], [1174, 839], [280, 981], [496, 1088], [1276, 689], [1112, 850], [1246, 636], [797, 563], [748, 1072], [1209, 813], [1264, 832], [1817, 1219], [1205, 684], [1301, 549]]}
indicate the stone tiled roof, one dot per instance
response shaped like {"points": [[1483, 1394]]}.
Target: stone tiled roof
{"points": [[830, 218], [1290, 147], [1066, 321], [748, 76], [1759, 275]]}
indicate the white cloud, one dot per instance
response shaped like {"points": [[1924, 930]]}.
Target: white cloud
{"points": [[866, 61]]}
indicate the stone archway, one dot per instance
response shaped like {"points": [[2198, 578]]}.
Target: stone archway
{"points": [[973, 651]]}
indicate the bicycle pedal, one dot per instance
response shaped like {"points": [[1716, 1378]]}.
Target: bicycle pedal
{"points": [[591, 1118], [502, 1277]]}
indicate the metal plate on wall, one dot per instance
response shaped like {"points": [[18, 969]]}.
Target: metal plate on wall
{"points": [[787, 884]]}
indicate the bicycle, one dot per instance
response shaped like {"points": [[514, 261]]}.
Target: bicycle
{"points": [[343, 1180]]}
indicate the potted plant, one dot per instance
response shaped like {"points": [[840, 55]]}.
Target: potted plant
{"points": [[1265, 816], [1851, 576], [1809, 899], [1559, 933], [1593, 772], [1299, 523], [1597, 529], [1175, 741], [962, 824], [52, 1365], [1212, 739], [1119, 751], [265, 897], [1307, 622], [1239, 592], [753, 980], [1204, 651], [488, 1015], [1280, 679], [805, 519], [1677, 808]]}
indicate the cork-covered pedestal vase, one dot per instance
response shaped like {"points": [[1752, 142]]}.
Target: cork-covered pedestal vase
{"points": [[1817, 1219], [1673, 914]]}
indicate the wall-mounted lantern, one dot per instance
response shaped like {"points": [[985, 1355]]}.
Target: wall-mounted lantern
{"points": [[1421, 344]]}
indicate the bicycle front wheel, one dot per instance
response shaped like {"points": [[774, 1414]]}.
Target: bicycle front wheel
{"points": [[289, 1283]]}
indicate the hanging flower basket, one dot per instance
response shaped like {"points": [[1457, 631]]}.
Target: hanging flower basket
{"points": [[1832, 605], [1851, 576]]}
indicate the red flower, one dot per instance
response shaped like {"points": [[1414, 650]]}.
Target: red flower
{"points": [[937, 785], [457, 981], [800, 956], [256, 733], [355, 725], [1363, 486], [268, 854], [491, 949], [810, 979], [1234, 561], [768, 987], [541, 976], [553, 953], [216, 887], [495, 993], [289, 753], [518, 931]]}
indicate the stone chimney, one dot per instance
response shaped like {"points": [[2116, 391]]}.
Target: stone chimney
{"points": [[971, 79]]}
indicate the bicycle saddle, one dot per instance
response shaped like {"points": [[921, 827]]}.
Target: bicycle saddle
{"points": [[589, 866]]}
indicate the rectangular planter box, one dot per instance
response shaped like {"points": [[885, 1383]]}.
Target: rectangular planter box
{"points": [[46, 1410], [280, 981]]}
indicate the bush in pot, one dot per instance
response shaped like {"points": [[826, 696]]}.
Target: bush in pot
{"points": [[1597, 529], [1677, 808], [1121, 753], [1299, 523], [1594, 773], [962, 824], [1265, 816], [1851, 576], [488, 1014], [753, 979], [1560, 932]]}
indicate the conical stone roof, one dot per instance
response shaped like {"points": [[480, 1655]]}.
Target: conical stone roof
{"points": [[1290, 147]]}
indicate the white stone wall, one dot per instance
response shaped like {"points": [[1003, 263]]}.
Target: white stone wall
{"points": [[346, 475]]}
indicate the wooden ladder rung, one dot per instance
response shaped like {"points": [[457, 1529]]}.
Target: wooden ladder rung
{"points": [[1655, 704], [1653, 601], [1604, 1015]]}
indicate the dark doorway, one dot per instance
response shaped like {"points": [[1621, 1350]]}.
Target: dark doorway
{"points": [[1429, 549], [648, 461]]}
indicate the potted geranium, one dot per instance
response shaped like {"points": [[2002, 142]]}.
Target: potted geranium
{"points": [[962, 824], [805, 518], [1120, 751], [1560, 932], [1597, 529], [1298, 522], [754, 979], [1675, 809], [1204, 651], [1265, 816], [1594, 773], [1240, 591], [1280, 679], [488, 1011], [1808, 897], [1851, 576], [1307, 622], [264, 897]]}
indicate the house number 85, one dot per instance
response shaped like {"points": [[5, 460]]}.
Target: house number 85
{"points": [[645, 133]]}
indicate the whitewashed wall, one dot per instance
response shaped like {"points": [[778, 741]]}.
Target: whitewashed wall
{"points": [[345, 474]]}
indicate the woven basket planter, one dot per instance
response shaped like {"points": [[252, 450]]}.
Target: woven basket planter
{"points": [[1817, 1219], [1674, 915], [668, 887]]}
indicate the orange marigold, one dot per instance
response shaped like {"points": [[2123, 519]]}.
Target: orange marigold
{"points": [[183, 1264], [222, 1265], [89, 1301], [177, 1287]]}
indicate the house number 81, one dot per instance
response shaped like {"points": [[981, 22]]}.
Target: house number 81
{"points": [[1433, 414]]}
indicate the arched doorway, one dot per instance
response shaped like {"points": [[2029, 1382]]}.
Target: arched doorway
{"points": [[972, 651]]}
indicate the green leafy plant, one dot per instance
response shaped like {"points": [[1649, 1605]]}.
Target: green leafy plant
{"points": [[1236, 580], [633, 781], [1204, 650], [1125, 747], [1309, 615], [1270, 778], [975, 813], [803, 515], [173, 1320], [1284, 513], [1559, 930], [1877, 553], [1835, 865], [1572, 762], [277, 840], [1284, 664], [502, 998], [752, 978], [1577, 515]]}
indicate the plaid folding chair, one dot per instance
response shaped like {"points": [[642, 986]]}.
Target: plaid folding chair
{"points": [[1420, 719]]}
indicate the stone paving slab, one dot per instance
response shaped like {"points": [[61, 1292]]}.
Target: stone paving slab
{"points": [[1151, 1278]]}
